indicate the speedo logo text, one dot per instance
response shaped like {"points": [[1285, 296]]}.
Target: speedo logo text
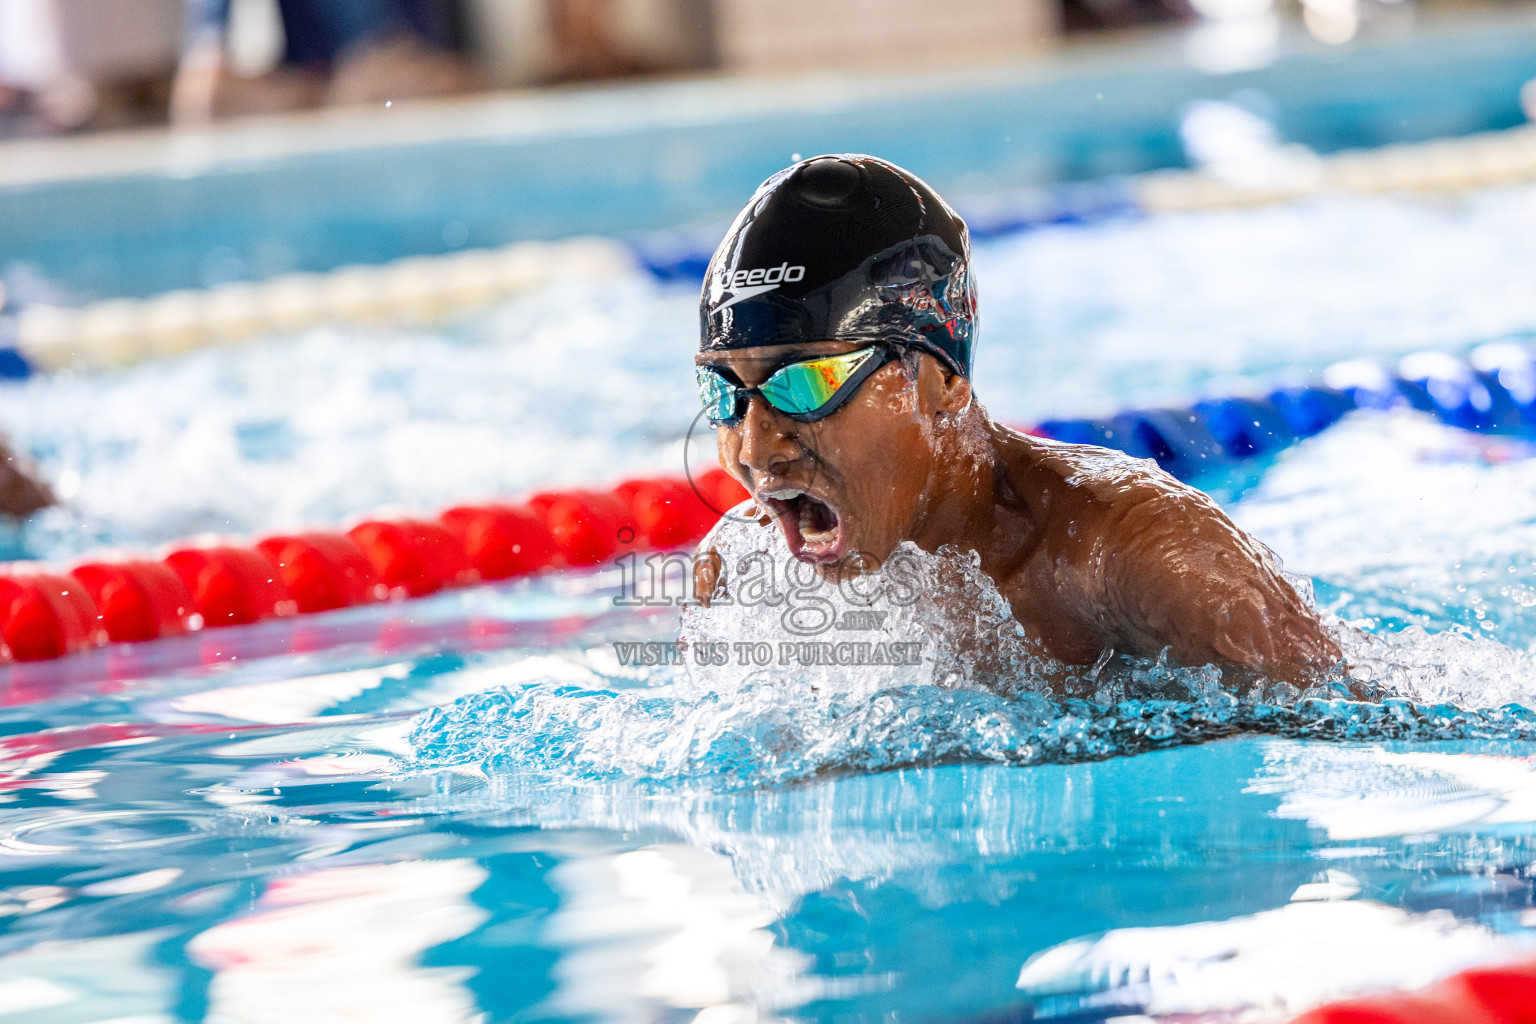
{"points": [[743, 284], [781, 274]]}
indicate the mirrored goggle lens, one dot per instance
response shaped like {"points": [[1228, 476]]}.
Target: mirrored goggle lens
{"points": [[718, 396], [802, 388]]}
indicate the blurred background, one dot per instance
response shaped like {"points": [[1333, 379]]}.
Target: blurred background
{"points": [[72, 65], [77, 65], [270, 136]]}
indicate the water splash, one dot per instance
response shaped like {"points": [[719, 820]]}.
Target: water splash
{"points": [[975, 691]]}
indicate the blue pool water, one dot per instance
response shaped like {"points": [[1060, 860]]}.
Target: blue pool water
{"points": [[470, 809]]}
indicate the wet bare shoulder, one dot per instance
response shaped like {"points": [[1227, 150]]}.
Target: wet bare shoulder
{"points": [[1089, 478], [1161, 565]]}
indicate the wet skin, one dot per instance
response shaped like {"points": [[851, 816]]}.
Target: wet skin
{"points": [[1093, 550]]}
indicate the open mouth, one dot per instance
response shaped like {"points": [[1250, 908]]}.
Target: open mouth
{"points": [[812, 528]]}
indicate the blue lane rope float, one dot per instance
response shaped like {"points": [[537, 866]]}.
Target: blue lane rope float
{"points": [[1213, 432], [1491, 392], [14, 365]]}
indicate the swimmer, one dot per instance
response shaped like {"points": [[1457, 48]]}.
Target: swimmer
{"points": [[838, 329], [21, 493]]}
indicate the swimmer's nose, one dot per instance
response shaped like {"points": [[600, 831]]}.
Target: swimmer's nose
{"points": [[769, 442]]}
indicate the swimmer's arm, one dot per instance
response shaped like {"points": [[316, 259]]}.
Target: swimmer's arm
{"points": [[707, 565], [1183, 576], [20, 493]]}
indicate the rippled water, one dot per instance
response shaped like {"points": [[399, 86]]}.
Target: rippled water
{"points": [[473, 809]]}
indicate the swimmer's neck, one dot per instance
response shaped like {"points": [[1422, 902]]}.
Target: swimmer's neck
{"points": [[970, 499]]}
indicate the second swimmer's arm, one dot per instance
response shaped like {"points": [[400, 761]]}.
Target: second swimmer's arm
{"points": [[20, 493], [1183, 576]]}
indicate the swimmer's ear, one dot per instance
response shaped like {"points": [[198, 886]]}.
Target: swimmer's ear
{"points": [[942, 391]]}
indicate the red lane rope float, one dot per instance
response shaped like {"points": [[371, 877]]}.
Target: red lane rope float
{"points": [[323, 571], [232, 586], [1482, 995], [414, 557], [667, 512], [207, 585], [137, 600], [502, 541], [589, 527], [43, 615]]}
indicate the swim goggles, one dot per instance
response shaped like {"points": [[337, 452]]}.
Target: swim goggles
{"points": [[806, 391]]}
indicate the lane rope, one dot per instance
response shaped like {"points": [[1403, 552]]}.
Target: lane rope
{"points": [[424, 290], [208, 583]]}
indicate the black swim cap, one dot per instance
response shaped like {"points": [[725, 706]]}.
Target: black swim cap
{"points": [[845, 248]]}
